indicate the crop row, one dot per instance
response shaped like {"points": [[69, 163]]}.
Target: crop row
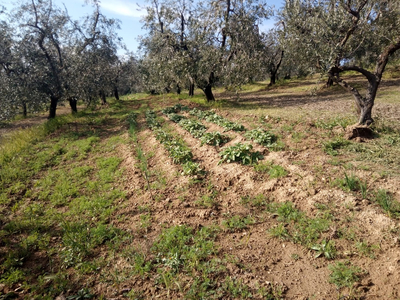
{"points": [[258, 135], [236, 153], [177, 149], [196, 128], [211, 116]]}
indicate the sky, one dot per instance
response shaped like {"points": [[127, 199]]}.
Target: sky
{"points": [[127, 11]]}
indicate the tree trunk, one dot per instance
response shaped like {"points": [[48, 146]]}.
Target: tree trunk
{"points": [[116, 94], [24, 110], [73, 103], [273, 78], [191, 90], [274, 69], [103, 97], [53, 107], [208, 92], [329, 82], [365, 104]]}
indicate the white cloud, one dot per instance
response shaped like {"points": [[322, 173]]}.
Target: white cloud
{"points": [[122, 7]]}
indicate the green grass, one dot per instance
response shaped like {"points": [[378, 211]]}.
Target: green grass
{"points": [[344, 274], [237, 223], [57, 197], [332, 147], [295, 226], [273, 171]]}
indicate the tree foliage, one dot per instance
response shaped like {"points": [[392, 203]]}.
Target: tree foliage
{"points": [[207, 43], [46, 57], [333, 36]]}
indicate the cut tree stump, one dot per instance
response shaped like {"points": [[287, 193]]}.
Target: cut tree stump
{"points": [[358, 132]]}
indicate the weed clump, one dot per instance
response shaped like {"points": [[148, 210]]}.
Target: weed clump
{"points": [[343, 274], [332, 147]]}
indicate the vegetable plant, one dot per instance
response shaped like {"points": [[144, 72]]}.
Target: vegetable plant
{"points": [[261, 137], [195, 128], [240, 153], [214, 138]]}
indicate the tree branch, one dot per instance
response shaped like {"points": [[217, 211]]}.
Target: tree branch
{"points": [[339, 69]]}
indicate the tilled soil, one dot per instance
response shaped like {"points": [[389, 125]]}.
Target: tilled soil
{"points": [[267, 259]]}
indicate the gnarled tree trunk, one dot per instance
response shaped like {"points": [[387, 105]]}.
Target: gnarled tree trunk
{"points": [[208, 88], [103, 99], [116, 94], [191, 89], [53, 106], [73, 104], [274, 69], [208, 92]]}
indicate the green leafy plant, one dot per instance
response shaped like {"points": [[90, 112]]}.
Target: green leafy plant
{"points": [[257, 201], [236, 288], [237, 223], [262, 137], [211, 116], [274, 171], [81, 295], [366, 249], [326, 248], [191, 168], [214, 138], [208, 200], [175, 117], [279, 231], [330, 124], [240, 153], [193, 127], [386, 201], [343, 274]]}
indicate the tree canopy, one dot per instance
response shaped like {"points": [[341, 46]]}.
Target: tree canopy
{"points": [[46, 57], [333, 36]]}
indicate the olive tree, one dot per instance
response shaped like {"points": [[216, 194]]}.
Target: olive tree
{"points": [[332, 35], [207, 43], [46, 57]]}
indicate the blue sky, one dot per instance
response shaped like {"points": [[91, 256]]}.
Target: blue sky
{"points": [[127, 11]]}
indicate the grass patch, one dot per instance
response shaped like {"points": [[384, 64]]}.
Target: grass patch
{"points": [[343, 274], [274, 171], [332, 147], [295, 226]]}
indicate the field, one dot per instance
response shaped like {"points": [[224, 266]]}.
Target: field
{"points": [[256, 196]]}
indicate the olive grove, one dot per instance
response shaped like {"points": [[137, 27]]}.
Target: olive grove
{"points": [[334, 36], [46, 57], [202, 43]]}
